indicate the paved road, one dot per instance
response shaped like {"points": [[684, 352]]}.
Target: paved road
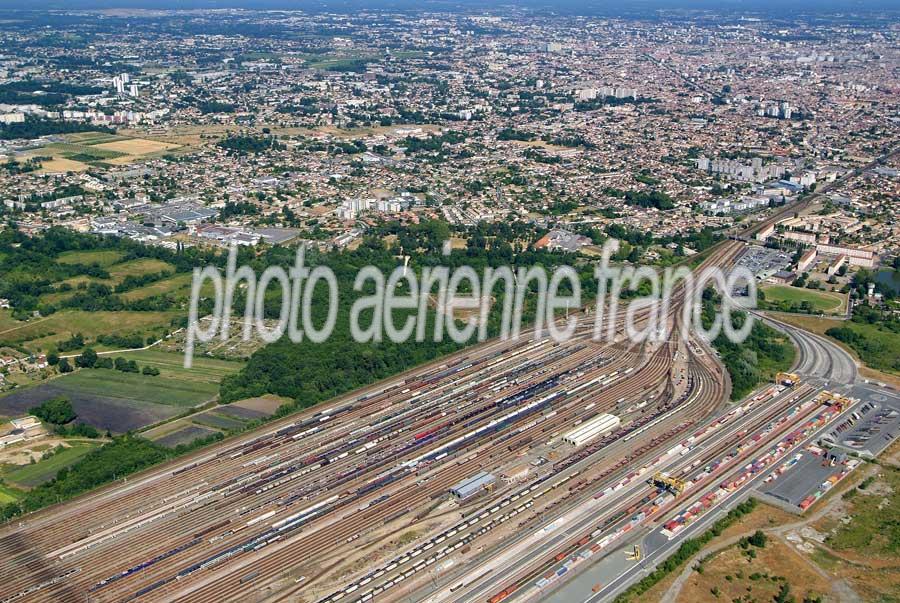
{"points": [[817, 356]]}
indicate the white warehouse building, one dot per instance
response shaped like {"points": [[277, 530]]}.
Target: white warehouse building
{"points": [[591, 429]]}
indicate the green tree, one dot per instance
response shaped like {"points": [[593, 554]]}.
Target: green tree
{"points": [[58, 411], [87, 359], [758, 539]]}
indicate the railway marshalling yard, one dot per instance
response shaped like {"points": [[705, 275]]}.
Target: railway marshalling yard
{"points": [[352, 501]]}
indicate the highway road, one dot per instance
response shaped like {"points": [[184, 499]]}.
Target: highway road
{"points": [[817, 357]]}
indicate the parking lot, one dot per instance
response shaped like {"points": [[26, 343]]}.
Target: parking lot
{"points": [[872, 426], [808, 476], [764, 262]]}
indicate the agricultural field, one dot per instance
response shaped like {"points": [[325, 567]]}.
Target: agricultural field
{"points": [[103, 257], [41, 334], [185, 138], [823, 302], [184, 435], [119, 401], [93, 137], [79, 152], [60, 165], [218, 421], [178, 285], [83, 149], [264, 405], [136, 146], [31, 475], [105, 412], [169, 390], [340, 62], [171, 366], [7, 495]]}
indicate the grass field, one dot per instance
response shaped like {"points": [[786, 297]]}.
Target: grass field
{"points": [[104, 257], [181, 391], [730, 574], [110, 259], [881, 348], [118, 272], [179, 284], [29, 476], [80, 152], [863, 537], [827, 302], [7, 322], [136, 146], [171, 366], [7, 495], [43, 333], [118, 401], [871, 531]]}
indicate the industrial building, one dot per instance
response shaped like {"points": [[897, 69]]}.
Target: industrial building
{"points": [[515, 473], [591, 429], [471, 486]]}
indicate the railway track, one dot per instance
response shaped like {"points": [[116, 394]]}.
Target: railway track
{"points": [[371, 459]]}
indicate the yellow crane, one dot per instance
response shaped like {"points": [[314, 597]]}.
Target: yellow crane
{"points": [[832, 399], [787, 378], [672, 484], [634, 554]]}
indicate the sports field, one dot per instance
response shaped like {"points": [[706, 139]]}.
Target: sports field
{"points": [[827, 302]]}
